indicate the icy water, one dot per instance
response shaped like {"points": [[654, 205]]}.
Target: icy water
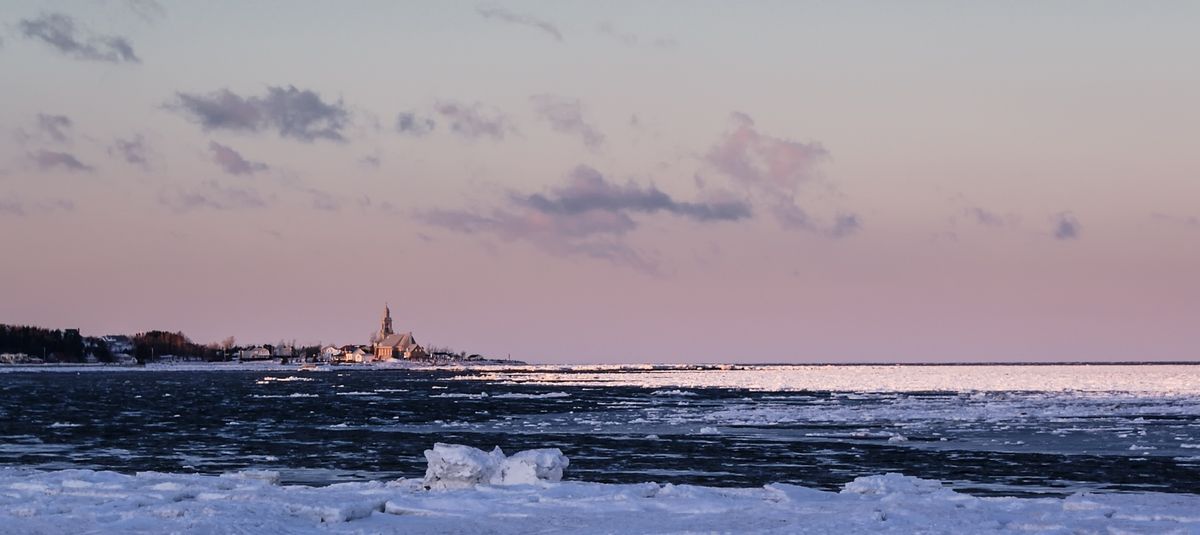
{"points": [[985, 430]]}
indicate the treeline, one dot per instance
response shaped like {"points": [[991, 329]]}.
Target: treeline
{"points": [[67, 345], [52, 345], [153, 345]]}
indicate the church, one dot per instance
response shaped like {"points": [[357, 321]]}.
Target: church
{"points": [[390, 345]]}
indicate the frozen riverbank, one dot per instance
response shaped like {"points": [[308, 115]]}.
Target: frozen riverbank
{"points": [[75, 501]]}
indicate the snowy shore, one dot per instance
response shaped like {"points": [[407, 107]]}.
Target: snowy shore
{"points": [[471, 491], [256, 366]]}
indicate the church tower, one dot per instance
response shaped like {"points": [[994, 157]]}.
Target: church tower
{"points": [[385, 330]]}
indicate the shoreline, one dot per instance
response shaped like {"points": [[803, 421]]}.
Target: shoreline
{"points": [[520, 365]]}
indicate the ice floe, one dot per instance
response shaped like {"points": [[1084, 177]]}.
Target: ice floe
{"points": [[1156, 379], [521, 395], [467, 490]]}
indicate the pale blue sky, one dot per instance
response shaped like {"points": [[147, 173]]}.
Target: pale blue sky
{"points": [[1014, 180]]}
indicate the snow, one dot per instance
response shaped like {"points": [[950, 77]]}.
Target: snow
{"points": [[527, 497]]}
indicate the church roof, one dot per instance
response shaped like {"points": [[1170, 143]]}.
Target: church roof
{"points": [[399, 341]]}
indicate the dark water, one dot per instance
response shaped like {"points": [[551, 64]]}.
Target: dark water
{"points": [[356, 425]]}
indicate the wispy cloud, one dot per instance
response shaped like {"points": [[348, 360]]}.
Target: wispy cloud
{"points": [[1066, 227], [232, 162], [13, 206], [1187, 221], [632, 39], [586, 190], [763, 161], [48, 159], [473, 122], [585, 216], [57, 127], [984, 217], [503, 15], [791, 216], [60, 32], [566, 115], [370, 160], [293, 113], [132, 150], [147, 10], [777, 169], [844, 225], [415, 125], [211, 195], [593, 235], [323, 200]]}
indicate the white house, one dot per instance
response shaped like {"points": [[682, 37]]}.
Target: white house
{"points": [[330, 353], [358, 355], [255, 353]]}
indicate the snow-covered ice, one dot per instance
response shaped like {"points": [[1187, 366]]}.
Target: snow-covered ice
{"points": [[1157, 379], [491, 493], [453, 466]]}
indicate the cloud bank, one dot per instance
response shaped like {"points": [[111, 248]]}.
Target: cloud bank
{"points": [[293, 113], [585, 216]]}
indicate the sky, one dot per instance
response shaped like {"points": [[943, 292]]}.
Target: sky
{"points": [[610, 181]]}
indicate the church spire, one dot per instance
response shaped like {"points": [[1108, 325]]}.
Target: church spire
{"points": [[385, 330]]}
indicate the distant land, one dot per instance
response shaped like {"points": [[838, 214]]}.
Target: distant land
{"points": [[33, 345]]}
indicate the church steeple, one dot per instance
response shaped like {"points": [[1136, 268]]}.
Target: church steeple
{"points": [[385, 330]]}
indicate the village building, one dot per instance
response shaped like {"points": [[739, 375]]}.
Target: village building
{"points": [[390, 345], [254, 353], [331, 353], [355, 355]]}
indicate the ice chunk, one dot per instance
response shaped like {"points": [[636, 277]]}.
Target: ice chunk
{"points": [[454, 466], [891, 483], [270, 476], [531, 466]]}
